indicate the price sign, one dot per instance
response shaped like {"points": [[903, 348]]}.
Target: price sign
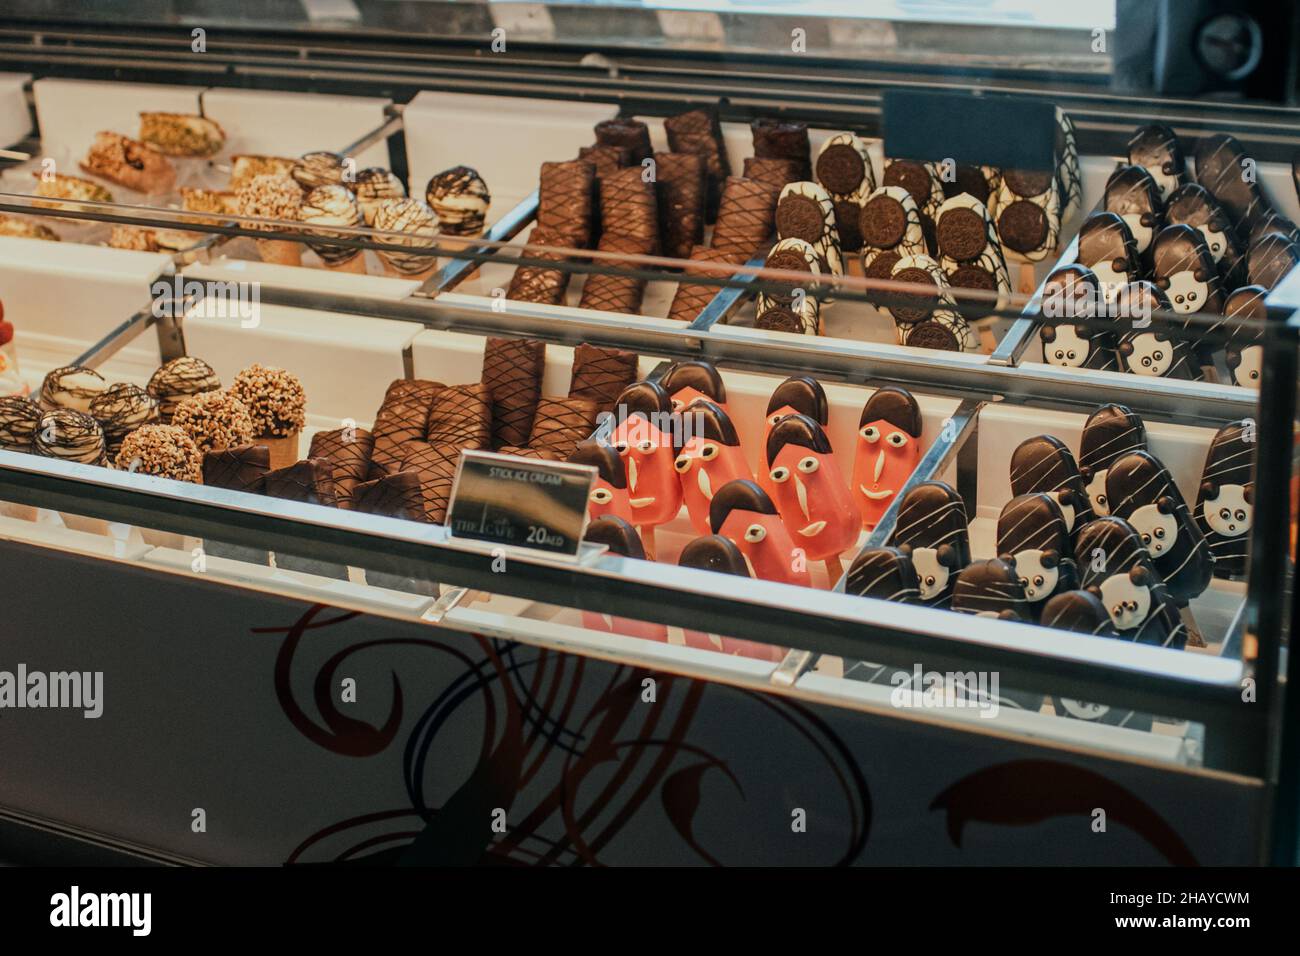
{"points": [[520, 502], [990, 129]]}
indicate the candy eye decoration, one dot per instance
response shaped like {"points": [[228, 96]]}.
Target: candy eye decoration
{"points": [[1191, 297], [622, 449], [780, 474], [929, 580], [1160, 532], [677, 404], [871, 433], [1241, 514], [602, 496], [1071, 354], [1225, 514], [709, 452], [645, 446], [1060, 355], [755, 533], [1038, 580], [808, 465], [1179, 299], [1101, 500], [1146, 360], [682, 464], [897, 439]]}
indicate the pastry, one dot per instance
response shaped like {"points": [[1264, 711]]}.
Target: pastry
{"points": [[512, 371], [713, 552], [631, 134], [890, 226], [1034, 534], [1142, 492], [792, 255], [887, 449], [70, 435], [1110, 433], [810, 491], [272, 197], [774, 172], [688, 380], [884, 573], [73, 386], [129, 163], [349, 450], [182, 134], [161, 450], [23, 229], [244, 168], [277, 405], [120, 409], [1133, 195], [566, 197], [600, 374], [1155, 351], [699, 131], [783, 139], [214, 420], [19, 417], [991, 588], [710, 457], [645, 438], [1029, 214], [241, 468], [800, 394], [1270, 259], [844, 169], [1135, 597], [334, 206], [681, 189], [1073, 292], [60, 186], [1156, 149], [921, 180], [1220, 164], [560, 424], [308, 481], [610, 292], [1244, 355], [178, 380], [1044, 465], [970, 253], [691, 297], [805, 211], [393, 496], [418, 226], [373, 187], [745, 218], [1225, 498], [1108, 251], [460, 199], [742, 512], [932, 531], [609, 492], [629, 209], [321, 168], [402, 418], [208, 200]]}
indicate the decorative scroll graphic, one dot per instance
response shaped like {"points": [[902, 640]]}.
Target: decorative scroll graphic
{"points": [[1024, 792], [583, 770]]}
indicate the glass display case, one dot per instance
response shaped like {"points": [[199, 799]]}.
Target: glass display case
{"points": [[931, 513]]}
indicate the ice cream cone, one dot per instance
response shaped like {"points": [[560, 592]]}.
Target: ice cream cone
{"points": [[283, 448], [280, 252], [356, 265]]}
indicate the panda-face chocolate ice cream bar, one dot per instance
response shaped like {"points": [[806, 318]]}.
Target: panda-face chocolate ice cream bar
{"points": [[1116, 568], [932, 529], [1073, 292], [1133, 195], [991, 588], [1106, 246], [1110, 433], [1033, 535], [1157, 350], [885, 573], [1044, 464], [1155, 147], [1225, 501]]}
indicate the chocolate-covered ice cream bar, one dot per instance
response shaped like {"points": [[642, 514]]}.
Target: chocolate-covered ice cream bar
{"points": [[884, 573], [241, 468], [1133, 195], [1073, 292], [1140, 606], [991, 588], [1225, 499], [805, 211], [1029, 212], [349, 450], [1109, 433], [745, 219], [398, 495], [1155, 147]]}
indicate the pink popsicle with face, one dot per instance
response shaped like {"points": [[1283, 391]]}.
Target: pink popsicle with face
{"points": [[643, 437], [811, 493], [743, 512], [710, 457]]}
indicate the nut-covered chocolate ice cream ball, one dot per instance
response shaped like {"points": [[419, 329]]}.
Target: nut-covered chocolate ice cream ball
{"points": [[214, 420], [162, 450], [275, 399]]}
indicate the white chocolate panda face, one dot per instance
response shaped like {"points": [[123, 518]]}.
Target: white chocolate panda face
{"points": [[932, 576], [1110, 279], [1141, 233], [1082, 710], [1097, 493], [1167, 182], [1159, 531], [1039, 581], [1216, 241], [1185, 293], [1067, 511], [1068, 349], [1250, 368], [1128, 604], [1229, 513], [1151, 356]]}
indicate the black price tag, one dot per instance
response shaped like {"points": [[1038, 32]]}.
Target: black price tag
{"points": [[1014, 132], [520, 502]]}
